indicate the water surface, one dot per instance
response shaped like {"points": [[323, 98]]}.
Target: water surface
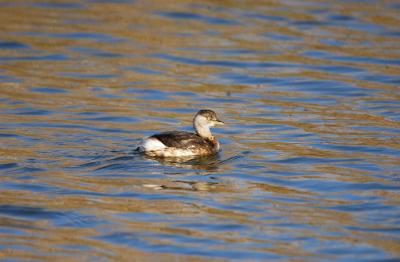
{"points": [[309, 92]]}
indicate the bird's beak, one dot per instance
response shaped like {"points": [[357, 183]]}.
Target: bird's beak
{"points": [[218, 122]]}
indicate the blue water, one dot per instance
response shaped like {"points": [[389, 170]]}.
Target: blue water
{"points": [[309, 167]]}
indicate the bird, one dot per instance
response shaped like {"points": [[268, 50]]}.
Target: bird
{"points": [[185, 144]]}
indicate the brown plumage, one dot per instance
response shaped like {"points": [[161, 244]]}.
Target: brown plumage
{"points": [[182, 139]]}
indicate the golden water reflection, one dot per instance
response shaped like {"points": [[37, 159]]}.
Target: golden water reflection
{"points": [[309, 167]]}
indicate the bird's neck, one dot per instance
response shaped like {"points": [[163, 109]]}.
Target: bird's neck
{"points": [[200, 124], [203, 131]]}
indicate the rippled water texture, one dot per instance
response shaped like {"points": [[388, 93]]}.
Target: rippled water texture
{"points": [[309, 92]]}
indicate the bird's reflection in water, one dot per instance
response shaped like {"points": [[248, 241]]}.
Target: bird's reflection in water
{"points": [[184, 185], [205, 163], [208, 163]]}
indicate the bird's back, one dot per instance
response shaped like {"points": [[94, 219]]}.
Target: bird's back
{"points": [[182, 139]]}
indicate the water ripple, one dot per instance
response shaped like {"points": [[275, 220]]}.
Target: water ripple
{"points": [[309, 162]]}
